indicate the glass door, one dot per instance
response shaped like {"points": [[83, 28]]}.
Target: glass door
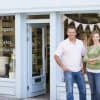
{"points": [[36, 59]]}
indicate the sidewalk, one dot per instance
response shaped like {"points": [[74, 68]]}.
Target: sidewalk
{"points": [[42, 97]]}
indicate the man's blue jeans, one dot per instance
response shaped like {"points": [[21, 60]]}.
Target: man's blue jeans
{"points": [[70, 78], [94, 81]]}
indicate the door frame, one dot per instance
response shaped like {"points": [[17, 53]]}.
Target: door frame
{"points": [[29, 23]]}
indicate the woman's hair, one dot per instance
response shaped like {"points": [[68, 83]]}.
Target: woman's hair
{"points": [[91, 37]]}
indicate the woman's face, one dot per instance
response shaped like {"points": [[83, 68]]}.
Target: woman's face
{"points": [[96, 37]]}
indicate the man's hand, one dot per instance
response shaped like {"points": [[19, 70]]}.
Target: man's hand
{"points": [[83, 71], [65, 69]]}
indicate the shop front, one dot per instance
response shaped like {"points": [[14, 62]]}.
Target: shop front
{"points": [[24, 55], [29, 37]]}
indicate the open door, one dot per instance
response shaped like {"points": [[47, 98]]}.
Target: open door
{"points": [[36, 59]]}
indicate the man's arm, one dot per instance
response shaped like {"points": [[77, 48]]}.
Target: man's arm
{"points": [[58, 61]]}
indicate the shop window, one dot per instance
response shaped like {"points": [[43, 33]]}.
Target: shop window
{"points": [[7, 46], [85, 24]]}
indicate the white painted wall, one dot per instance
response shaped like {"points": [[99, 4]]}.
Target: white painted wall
{"points": [[6, 4], [21, 56], [7, 86], [28, 5]]}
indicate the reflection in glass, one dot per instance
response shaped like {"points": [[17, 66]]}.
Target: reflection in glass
{"points": [[36, 51], [7, 46]]}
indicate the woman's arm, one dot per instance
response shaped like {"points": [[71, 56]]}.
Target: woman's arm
{"points": [[94, 59]]}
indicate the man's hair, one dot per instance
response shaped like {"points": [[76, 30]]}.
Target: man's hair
{"points": [[71, 27]]}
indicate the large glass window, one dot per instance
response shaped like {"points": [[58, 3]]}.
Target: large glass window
{"points": [[7, 46], [85, 24]]}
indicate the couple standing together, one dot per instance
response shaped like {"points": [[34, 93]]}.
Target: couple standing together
{"points": [[70, 55]]}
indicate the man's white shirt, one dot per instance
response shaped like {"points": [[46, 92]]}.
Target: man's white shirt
{"points": [[71, 54]]}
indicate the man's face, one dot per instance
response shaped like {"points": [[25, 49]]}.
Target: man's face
{"points": [[71, 32]]}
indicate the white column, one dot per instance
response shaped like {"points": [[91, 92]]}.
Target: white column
{"points": [[60, 37], [53, 34], [21, 56], [56, 35], [60, 28]]}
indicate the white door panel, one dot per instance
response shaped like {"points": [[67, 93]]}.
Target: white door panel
{"points": [[36, 60]]}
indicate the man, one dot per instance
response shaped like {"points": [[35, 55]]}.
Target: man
{"points": [[69, 57]]}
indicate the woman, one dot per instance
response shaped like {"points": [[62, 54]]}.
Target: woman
{"points": [[93, 66]]}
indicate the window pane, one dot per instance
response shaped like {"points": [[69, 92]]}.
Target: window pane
{"points": [[7, 46], [36, 51]]}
